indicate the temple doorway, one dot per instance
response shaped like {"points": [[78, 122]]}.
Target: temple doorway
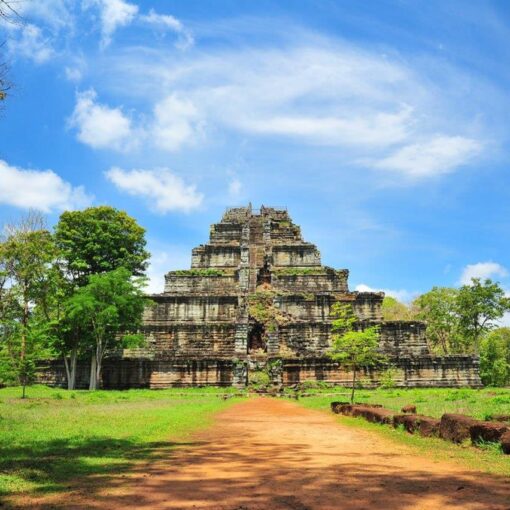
{"points": [[256, 340]]}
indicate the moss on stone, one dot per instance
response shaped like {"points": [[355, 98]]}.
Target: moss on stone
{"points": [[200, 272]]}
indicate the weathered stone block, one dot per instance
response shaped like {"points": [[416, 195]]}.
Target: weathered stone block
{"points": [[425, 425], [505, 442], [456, 427], [490, 432]]}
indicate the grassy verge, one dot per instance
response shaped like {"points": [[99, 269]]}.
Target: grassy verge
{"points": [[55, 435], [479, 403], [432, 402]]}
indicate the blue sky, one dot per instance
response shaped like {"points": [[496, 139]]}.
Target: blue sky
{"points": [[382, 126]]}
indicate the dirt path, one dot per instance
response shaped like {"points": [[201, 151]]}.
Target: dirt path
{"points": [[268, 454]]}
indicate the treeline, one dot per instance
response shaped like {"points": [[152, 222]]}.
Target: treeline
{"points": [[463, 321], [74, 292]]}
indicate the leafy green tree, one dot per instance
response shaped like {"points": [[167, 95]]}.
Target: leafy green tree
{"points": [[394, 310], [352, 346], [479, 306], [110, 306], [438, 308], [69, 338], [26, 255], [98, 240], [495, 358]]}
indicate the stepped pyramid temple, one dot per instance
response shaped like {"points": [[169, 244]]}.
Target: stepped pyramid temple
{"points": [[257, 299]]}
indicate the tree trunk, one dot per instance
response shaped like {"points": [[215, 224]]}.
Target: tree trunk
{"points": [[353, 383], [70, 365], [93, 373], [23, 348]]}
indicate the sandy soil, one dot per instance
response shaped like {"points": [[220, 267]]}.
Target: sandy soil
{"points": [[268, 454]]}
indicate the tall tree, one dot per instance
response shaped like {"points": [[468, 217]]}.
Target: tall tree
{"points": [[438, 308], [479, 306], [69, 338], [100, 239], [110, 306], [495, 358], [26, 252], [352, 345], [394, 310]]}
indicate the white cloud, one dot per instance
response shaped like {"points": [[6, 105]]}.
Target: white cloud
{"points": [[402, 295], [53, 13], [482, 270], [436, 156], [101, 126], [113, 14], [176, 122], [164, 190], [234, 187], [28, 41], [320, 92], [374, 129], [39, 189], [73, 74], [168, 22]]}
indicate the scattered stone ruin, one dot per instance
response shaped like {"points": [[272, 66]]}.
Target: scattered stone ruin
{"points": [[257, 298]]}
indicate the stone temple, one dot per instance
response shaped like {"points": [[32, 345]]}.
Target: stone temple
{"points": [[257, 298]]}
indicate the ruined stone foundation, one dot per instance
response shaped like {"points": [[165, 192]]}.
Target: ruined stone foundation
{"points": [[257, 297]]}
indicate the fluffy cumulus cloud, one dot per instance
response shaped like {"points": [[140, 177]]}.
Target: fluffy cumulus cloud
{"points": [[113, 14], [39, 189], [376, 111], [100, 126], [176, 122], [169, 22], [163, 190], [482, 270], [401, 295]]}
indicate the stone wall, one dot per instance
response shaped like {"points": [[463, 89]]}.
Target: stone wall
{"points": [[329, 281], [403, 338], [368, 305], [191, 339], [424, 372], [449, 371], [315, 307], [176, 283], [304, 338], [296, 255], [215, 256], [169, 308], [143, 373]]}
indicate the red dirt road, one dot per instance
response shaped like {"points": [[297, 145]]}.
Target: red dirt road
{"points": [[270, 454]]}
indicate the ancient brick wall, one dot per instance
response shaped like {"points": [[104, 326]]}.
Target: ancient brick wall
{"points": [[427, 371], [143, 373], [196, 284], [329, 281]]}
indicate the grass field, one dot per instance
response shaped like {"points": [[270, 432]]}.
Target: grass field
{"points": [[480, 404], [56, 435], [432, 402]]}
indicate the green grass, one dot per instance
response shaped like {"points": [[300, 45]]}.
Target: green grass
{"points": [[431, 402], [479, 403], [57, 435]]}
